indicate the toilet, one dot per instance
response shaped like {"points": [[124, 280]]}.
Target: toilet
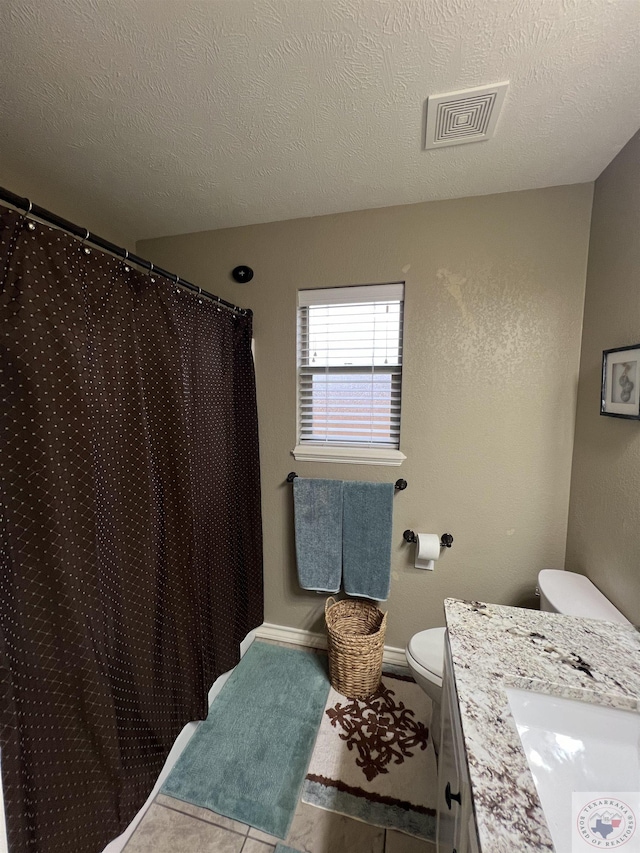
{"points": [[560, 592]]}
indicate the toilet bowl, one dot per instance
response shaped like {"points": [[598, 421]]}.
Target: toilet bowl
{"points": [[425, 654], [425, 657], [560, 592]]}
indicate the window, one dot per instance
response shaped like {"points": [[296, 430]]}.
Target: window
{"points": [[350, 374]]}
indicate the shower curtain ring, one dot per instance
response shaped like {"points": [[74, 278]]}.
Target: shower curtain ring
{"points": [[177, 284], [30, 225], [87, 250], [200, 295], [153, 281], [127, 268]]}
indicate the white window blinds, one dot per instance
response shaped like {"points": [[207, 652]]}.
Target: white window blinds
{"points": [[350, 365]]}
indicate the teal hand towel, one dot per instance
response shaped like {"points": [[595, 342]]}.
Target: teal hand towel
{"points": [[366, 539], [317, 506]]}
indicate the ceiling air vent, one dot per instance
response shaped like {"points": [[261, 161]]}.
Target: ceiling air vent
{"points": [[470, 115]]}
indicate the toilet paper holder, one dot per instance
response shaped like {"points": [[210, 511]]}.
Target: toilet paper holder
{"points": [[446, 540]]}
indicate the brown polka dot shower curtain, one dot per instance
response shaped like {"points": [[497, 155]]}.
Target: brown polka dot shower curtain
{"points": [[130, 529]]}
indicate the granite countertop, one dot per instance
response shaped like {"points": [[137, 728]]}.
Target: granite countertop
{"points": [[495, 647]]}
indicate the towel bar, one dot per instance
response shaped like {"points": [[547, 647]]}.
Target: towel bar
{"points": [[400, 485]]}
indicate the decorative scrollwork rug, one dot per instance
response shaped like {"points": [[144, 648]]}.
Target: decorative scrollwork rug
{"points": [[374, 760]]}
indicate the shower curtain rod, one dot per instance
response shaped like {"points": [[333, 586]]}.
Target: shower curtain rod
{"points": [[28, 209]]}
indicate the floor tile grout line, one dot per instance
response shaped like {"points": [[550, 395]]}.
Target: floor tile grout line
{"points": [[208, 822], [270, 846]]}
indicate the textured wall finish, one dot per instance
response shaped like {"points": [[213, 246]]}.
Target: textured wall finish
{"points": [[493, 313], [45, 189], [604, 520], [186, 115]]}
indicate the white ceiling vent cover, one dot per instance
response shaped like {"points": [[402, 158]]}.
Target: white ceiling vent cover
{"points": [[469, 115]]}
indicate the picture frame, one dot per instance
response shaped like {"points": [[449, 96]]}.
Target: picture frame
{"points": [[620, 396]]}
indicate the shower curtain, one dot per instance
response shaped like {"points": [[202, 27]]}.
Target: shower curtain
{"points": [[130, 529]]}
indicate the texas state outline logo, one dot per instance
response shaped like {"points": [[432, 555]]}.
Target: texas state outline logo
{"points": [[605, 822]]}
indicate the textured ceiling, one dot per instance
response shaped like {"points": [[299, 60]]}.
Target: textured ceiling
{"points": [[183, 115]]}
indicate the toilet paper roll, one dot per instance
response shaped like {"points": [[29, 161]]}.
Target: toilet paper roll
{"points": [[427, 550]]}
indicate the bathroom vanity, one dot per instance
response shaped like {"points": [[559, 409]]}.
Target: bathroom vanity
{"points": [[456, 821], [507, 672]]}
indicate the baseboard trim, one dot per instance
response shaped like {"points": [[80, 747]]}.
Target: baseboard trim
{"points": [[301, 637]]}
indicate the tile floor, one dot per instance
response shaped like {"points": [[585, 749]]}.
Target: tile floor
{"points": [[171, 826]]}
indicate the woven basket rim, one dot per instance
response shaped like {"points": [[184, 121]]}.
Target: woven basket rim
{"points": [[351, 603]]}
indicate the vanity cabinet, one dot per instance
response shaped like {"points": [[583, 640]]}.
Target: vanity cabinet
{"points": [[456, 832]]}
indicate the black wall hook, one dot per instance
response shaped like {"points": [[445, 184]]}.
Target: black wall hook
{"points": [[242, 274]]}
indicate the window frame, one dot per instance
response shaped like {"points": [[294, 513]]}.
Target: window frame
{"points": [[346, 452]]}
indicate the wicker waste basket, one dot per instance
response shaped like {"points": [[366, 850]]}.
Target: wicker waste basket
{"points": [[356, 645]]}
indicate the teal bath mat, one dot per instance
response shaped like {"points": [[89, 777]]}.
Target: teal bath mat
{"points": [[247, 760]]}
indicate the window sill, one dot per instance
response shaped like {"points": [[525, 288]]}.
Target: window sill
{"points": [[351, 455]]}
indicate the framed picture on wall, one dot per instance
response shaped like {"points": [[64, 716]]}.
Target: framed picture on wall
{"points": [[621, 382]]}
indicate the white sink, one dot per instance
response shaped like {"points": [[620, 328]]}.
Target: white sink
{"points": [[575, 746]]}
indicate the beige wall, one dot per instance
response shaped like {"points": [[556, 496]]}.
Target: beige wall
{"points": [[45, 191], [493, 313], [604, 521]]}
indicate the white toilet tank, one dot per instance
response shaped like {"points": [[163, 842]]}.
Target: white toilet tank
{"points": [[575, 595]]}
